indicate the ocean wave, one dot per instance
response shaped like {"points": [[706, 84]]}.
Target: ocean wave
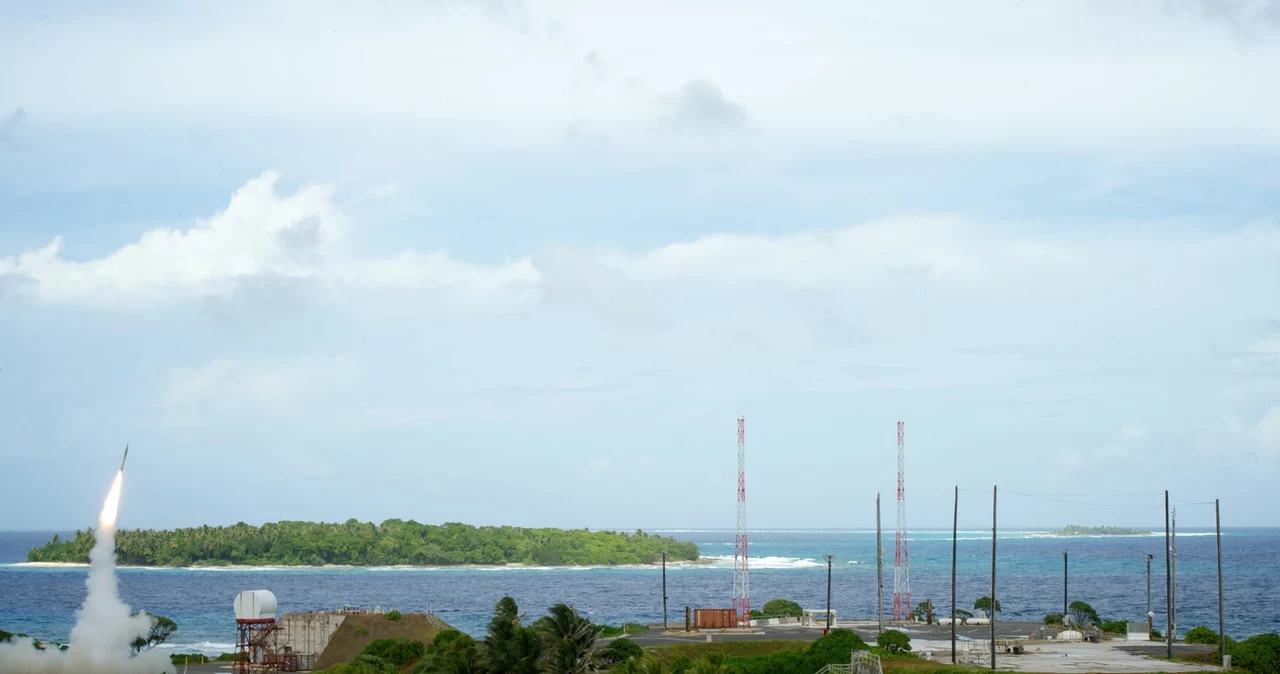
{"points": [[723, 561]]}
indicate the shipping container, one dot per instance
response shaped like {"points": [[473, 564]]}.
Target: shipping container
{"points": [[713, 618]]}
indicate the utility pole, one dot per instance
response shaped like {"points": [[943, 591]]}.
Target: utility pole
{"points": [[828, 630], [879, 572], [1168, 582], [664, 589], [955, 519], [1222, 627], [994, 492], [1173, 591], [1064, 586], [1151, 617]]}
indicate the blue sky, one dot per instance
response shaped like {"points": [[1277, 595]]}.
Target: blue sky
{"points": [[526, 263]]}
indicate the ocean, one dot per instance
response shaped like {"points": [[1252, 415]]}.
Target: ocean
{"points": [[1108, 572]]}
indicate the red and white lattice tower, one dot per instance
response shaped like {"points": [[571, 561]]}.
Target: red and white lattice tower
{"points": [[901, 572], [741, 584]]}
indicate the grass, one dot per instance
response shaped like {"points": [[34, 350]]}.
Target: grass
{"points": [[629, 628], [358, 631], [745, 649]]}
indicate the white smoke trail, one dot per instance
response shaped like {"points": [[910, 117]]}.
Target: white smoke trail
{"points": [[100, 641]]}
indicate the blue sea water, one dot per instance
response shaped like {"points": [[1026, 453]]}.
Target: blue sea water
{"points": [[1107, 572]]}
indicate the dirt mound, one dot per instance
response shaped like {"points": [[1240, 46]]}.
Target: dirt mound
{"points": [[358, 631]]}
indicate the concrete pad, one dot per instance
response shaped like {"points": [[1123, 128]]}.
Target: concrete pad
{"points": [[1078, 658]]}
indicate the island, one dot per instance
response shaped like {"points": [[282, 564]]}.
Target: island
{"points": [[353, 543], [1077, 530]]}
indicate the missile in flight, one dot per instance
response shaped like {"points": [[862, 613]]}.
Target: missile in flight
{"points": [[126, 458]]}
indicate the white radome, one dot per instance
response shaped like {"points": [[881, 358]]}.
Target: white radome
{"points": [[255, 605]]}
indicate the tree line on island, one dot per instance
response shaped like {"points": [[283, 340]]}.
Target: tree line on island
{"points": [[357, 543]]}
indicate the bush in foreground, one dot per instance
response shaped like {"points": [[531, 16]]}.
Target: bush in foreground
{"points": [[398, 652], [833, 649], [393, 615], [363, 664], [1258, 654], [894, 641], [1053, 619], [620, 650]]}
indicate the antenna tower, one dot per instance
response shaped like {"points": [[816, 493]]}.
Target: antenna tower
{"points": [[741, 584], [901, 572]]}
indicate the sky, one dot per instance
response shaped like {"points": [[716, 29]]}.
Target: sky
{"points": [[527, 262]]}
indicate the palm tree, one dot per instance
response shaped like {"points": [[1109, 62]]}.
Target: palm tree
{"points": [[511, 648], [569, 638]]}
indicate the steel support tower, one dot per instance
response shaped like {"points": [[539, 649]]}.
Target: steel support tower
{"points": [[741, 583], [901, 572]]}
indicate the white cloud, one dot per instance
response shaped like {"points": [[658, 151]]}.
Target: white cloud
{"points": [[1048, 73], [259, 234]]}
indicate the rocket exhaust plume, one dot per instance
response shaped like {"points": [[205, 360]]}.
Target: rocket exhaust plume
{"points": [[101, 640]]}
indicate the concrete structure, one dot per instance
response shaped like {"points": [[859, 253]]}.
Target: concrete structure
{"points": [[308, 632], [817, 617], [1137, 632]]}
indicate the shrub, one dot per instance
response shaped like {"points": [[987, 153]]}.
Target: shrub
{"points": [[1201, 635], [782, 607], [1053, 619], [984, 604], [444, 639], [1083, 614], [393, 615], [398, 652], [620, 650], [1155, 634], [832, 649], [681, 665], [364, 664], [894, 641], [1258, 654], [1114, 626]]}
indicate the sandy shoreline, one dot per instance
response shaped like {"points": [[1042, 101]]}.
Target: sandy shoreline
{"points": [[704, 561]]}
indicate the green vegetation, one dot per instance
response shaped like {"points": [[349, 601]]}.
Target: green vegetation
{"points": [[778, 608], [894, 641], [1053, 619], [363, 664], [393, 615], [1258, 654], [367, 544], [1082, 614], [984, 604], [8, 636], [1114, 626], [620, 650], [609, 631], [1201, 635], [161, 629], [398, 652], [924, 611], [559, 643], [961, 613], [1077, 530]]}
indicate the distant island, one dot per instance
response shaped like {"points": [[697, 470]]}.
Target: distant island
{"points": [[353, 543], [1077, 530]]}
